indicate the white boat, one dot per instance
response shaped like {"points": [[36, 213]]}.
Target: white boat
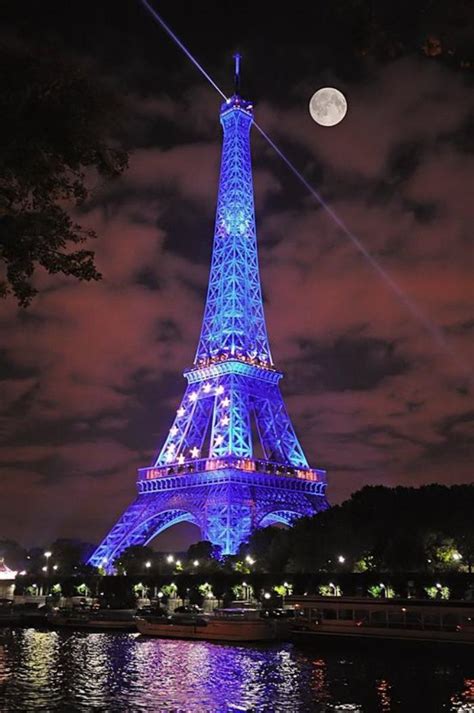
{"points": [[221, 625], [384, 619]]}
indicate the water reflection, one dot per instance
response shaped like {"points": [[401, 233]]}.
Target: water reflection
{"points": [[50, 671], [464, 701], [383, 691]]}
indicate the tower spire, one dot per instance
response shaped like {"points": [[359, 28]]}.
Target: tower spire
{"points": [[237, 58], [234, 322]]}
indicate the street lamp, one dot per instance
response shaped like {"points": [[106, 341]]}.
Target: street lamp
{"points": [[267, 595], [170, 559], [47, 554], [341, 559], [148, 564], [249, 559], [55, 567], [196, 563]]}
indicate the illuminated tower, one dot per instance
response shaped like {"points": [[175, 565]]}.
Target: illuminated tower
{"points": [[231, 461]]}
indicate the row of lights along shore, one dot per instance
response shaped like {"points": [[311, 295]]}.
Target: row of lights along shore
{"points": [[170, 559]]}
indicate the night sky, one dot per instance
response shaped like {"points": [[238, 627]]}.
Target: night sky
{"points": [[90, 374]]}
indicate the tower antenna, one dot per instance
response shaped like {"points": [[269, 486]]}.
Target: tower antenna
{"points": [[237, 58]]}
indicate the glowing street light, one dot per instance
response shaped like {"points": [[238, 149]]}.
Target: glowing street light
{"points": [[196, 563], [148, 564], [250, 560], [44, 569], [48, 554], [55, 567], [341, 559], [267, 595], [170, 559]]}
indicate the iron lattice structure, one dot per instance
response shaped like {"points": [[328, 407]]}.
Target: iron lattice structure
{"points": [[231, 461]]}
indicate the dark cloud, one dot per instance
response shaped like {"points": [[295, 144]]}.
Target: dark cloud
{"points": [[91, 374], [349, 363]]}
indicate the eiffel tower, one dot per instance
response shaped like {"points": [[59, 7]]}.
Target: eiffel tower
{"points": [[231, 461]]}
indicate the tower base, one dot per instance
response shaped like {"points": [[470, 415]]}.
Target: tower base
{"points": [[226, 498]]}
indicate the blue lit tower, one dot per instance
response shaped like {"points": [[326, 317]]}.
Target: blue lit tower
{"points": [[231, 461]]}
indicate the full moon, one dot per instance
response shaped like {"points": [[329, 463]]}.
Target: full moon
{"points": [[328, 106]]}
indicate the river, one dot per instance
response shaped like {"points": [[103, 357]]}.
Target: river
{"points": [[70, 671]]}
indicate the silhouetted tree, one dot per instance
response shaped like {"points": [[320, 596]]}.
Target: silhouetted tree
{"points": [[133, 559], [15, 555], [204, 551], [378, 528], [269, 547], [57, 123]]}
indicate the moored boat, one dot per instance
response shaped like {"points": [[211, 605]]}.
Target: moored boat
{"points": [[99, 620], [384, 619], [221, 625], [8, 616]]}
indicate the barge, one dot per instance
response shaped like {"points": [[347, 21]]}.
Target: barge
{"points": [[388, 619]]}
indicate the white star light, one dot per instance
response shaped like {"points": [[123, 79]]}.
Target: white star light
{"points": [[225, 421], [181, 411], [206, 388], [219, 440], [193, 396], [225, 402], [219, 389], [171, 447], [194, 452], [181, 459], [174, 430]]}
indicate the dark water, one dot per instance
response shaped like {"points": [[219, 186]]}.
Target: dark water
{"points": [[51, 671]]}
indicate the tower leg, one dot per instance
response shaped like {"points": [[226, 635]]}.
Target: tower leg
{"points": [[228, 518]]}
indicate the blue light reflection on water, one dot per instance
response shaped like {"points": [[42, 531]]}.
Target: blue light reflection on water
{"points": [[51, 671]]}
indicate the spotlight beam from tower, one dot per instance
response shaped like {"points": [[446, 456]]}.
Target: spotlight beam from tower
{"points": [[410, 304]]}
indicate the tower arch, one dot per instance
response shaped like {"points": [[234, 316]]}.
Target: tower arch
{"points": [[280, 517]]}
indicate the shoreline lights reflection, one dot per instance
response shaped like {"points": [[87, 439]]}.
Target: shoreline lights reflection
{"points": [[54, 671]]}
